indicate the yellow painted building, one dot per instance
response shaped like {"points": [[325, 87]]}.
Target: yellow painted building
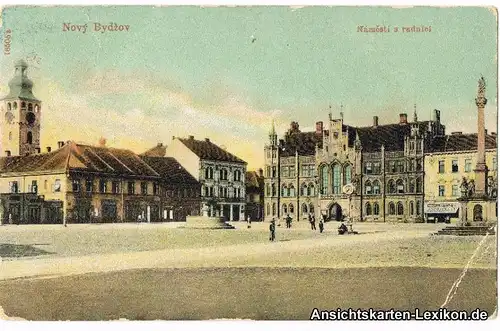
{"points": [[451, 159]]}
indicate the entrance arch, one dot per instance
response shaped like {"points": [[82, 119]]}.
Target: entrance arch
{"points": [[335, 212]]}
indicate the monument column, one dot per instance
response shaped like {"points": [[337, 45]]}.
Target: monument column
{"points": [[481, 170]]}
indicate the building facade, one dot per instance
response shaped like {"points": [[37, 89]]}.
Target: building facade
{"points": [[254, 183], [220, 173], [373, 173]]}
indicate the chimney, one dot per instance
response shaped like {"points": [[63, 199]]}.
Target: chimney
{"points": [[191, 137], [261, 172], [375, 121], [173, 137], [7, 153], [49, 149], [456, 133], [60, 144], [319, 127], [403, 118], [37, 150], [159, 144], [207, 140]]}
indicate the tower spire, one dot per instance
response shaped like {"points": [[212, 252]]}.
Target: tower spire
{"points": [[341, 111]]}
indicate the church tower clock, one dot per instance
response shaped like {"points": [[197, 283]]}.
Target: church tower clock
{"points": [[20, 113]]}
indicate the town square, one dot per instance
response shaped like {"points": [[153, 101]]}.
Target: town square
{"points": [[243, 167]]}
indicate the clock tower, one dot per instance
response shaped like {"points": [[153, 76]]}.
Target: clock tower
{"points": [[20, 113]]}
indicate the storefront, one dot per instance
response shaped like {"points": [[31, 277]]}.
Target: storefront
{"points": [[441, 212]]}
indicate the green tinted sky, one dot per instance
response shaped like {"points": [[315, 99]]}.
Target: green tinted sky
{"points": [[191, 70]]}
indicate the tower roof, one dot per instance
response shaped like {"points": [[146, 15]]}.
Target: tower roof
{"points": [[20, 86]]}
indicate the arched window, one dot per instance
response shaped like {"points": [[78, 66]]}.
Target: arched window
{"points": [[392, 208], [273, 189], [274, 208], [268, 209], [412, 208], [29, 138], [376, 187], [285, 209], [412, 186], [304, 208], [376, 209], [23, 105], [37, 108], [311, 189], [291, 191], [9, 106], [418, 208], [368, 209], [368, 187], [209, 173], [336, 179], [400, 208], [290, 208], [400, 185], [304, 190], [311, 208], [324, 179], [347, 174], [30, 107], [419, 185], [268, 189], [391, 186]]}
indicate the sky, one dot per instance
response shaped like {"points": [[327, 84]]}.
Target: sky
{"points": [[227, 73]]}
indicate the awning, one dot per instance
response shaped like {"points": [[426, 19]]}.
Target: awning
{"points": [[441, 207]]}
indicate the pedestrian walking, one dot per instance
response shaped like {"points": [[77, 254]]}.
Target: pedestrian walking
{"points": [[313, 222], [309, 218], [272, 230], [321, 226], [288, 221], [249, 222]]}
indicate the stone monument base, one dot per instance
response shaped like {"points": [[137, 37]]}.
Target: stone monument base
{"points": [[205, 222]]}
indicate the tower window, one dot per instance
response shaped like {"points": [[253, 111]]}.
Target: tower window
{"points": [[9, 106], [37, 108], [29, 138], [14, 105], [30, 107], [23, 105]]}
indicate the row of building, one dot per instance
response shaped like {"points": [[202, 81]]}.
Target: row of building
{"points": [[409, 171]]}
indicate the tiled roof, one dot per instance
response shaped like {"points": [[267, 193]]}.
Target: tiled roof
{"points": [[253, 180], [207, 150], [82, 158], [171, 170], [461, 142], [158, 150]]}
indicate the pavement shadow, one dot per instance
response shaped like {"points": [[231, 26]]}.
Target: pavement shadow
{"points": [[15, 251]]}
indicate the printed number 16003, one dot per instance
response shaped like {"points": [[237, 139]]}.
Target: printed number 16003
{"points": [[6, 41]]}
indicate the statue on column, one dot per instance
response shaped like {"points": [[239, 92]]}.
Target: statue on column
{"points": [[464, 188]]}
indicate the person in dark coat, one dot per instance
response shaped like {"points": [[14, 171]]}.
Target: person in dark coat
{"points": [[313, 222], [321, 226], [288, 221], [342, 228], [272, 231], [309, 219]]}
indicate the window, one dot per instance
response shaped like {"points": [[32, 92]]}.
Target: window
{"points": [[400, 165], [284, 190], [304, 170], [268, 189], [274, 172], [268, 171], [29, 138], [304, 190], [311, 190], [468, 165], [347, 174], [392, 166], [411, 208], [292, 171], [376, 167], [441, 190], [454, 190], [89, 185], [368, 187], [102, 186], [441, 167], [392, 209], [273, 187], [285, 171], [418, 207], [454, 166], [223, 174], [268, 209], [115, 187], [34, 187], [368, 209], [411, 165], [290, 208], [274, 208], [391, 186], [209, 173], [376, 209], [291, 191], [376, 187], [400, 208], [144, 188], [75, 185], [131, 187], [57, 185], [304, 209], [418, 163], [237, 175], [419, 185], [324, 180], [312, 170], [412, 145], [336, 179], [285, 209], [368, 168], [156, 189], [14, 187], [400, 186]]}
